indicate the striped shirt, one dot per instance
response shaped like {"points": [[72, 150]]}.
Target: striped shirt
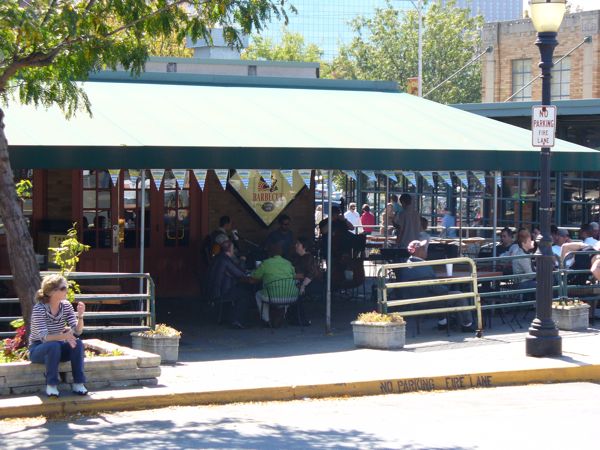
{"points": [[44, 323]]}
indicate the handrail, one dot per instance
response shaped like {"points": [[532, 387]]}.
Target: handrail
{"points": [[566, 270], [145, 312], [383, 286]]}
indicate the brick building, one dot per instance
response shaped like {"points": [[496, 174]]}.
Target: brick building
{"points": [[513, 63]]}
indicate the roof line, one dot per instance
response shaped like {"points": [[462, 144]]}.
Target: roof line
{"points": [[231, 62], [186, 79], [588, 106]]}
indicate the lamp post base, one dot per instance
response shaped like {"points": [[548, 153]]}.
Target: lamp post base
{"points": [[540, 346]]}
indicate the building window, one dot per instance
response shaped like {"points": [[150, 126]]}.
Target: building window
{"points": [[96, 221], [171, 67], [561, 79], [176, 210], [132, 208], [521, 75]]}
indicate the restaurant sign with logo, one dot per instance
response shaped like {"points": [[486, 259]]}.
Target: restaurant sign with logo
{"points": [[267, 198]]}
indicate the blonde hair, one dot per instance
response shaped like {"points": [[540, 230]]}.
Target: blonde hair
{"points": [[50, 283]]}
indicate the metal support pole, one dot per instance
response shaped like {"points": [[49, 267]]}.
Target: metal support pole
{"points": [[495, 235], [329, 259], [543, 339], [459, 217], [142, 225], [386, 221]]}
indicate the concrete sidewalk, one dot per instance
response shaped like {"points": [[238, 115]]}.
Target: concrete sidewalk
{"points": [[287, 364]]}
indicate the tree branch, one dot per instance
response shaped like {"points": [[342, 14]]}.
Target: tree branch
{"points": [[47, 15]]}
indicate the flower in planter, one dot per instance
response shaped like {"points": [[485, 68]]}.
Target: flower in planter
{"points": [[160, 329], [375, 317], [14, 349], [569, 303]]}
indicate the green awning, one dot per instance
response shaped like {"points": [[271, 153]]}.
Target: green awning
{"points": [[137, 124]]}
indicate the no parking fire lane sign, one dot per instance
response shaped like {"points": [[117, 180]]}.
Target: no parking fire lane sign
{"points": [[543, 126]]}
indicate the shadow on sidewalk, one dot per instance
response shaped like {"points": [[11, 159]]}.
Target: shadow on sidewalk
{"points": [[204, 340]]}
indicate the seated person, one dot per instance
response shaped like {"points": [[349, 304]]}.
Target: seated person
{"points": [[273, 268], [307, 271], [223, 233], [424, 235], [559, 238], [506, 241], [595, 267], [594, 262], [418, 252], [344, 242], [284, 235], [524, 246], [227, 284], [586, 234]]}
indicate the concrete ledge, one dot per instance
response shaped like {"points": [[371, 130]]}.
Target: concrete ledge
{"points": [[164, 396], [134, 367]]}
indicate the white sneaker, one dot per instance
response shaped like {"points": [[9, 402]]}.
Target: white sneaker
{"points": [[52, 390], [79, 389]]}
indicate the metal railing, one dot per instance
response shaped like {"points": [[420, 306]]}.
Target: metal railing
{"points": [[140, 314], [507, 291], [589, 289], [383, 286]]}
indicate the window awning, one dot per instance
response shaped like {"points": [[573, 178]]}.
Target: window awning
{"points": [[137, 124]]}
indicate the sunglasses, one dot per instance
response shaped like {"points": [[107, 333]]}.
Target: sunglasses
{"points": [[62, 288]]}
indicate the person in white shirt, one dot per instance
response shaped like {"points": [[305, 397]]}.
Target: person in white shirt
{"points": [[586, 234], [353, 217], [560, 237], [595, 230]]}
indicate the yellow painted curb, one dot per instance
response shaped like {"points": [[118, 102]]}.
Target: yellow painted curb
{"points": [[161, 397]]}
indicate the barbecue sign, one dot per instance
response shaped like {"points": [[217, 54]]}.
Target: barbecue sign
{"points": [[543, 126]]}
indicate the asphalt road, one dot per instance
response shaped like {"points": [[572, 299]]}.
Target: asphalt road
{"points": [[561, 416]]}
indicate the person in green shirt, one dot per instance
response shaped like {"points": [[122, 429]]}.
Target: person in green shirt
{"points": [[275, 268]]}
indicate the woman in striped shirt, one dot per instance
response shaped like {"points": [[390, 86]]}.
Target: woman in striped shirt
{"points": [[54, 334]]}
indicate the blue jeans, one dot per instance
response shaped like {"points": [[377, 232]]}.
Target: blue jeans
{"points": [[55, 352]]}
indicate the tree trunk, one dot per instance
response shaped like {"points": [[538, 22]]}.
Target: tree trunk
{"points": [[23, 265]]}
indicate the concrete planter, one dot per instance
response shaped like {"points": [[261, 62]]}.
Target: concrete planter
{"points": [[165, 346], [571, 317], [133, 368], [386, 336]]}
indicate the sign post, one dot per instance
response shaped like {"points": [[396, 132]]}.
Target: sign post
{"points": [[543, 126]]}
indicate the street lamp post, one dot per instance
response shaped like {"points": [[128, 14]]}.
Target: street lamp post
{"points": [[543, 338]]}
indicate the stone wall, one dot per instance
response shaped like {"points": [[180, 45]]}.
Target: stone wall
{"points": [[134, 368]]}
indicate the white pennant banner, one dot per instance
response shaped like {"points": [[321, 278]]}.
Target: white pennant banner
{"points": [[499, 180], [134, 175], [446, 177], [350, 174], [391, 175], [428, 177], [222, 176], [114, 175], [305, 174], [244, 175], [480, 175], [179, 175], [411, 177], [463, 177], [289, 176], [370, 175], [200, 175], [157, 174]]}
